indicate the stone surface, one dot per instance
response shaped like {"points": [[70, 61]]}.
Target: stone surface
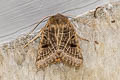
{"points": [[101, 54]]}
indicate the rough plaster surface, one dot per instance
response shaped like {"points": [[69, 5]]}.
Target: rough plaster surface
{"points": [[101, 54]]}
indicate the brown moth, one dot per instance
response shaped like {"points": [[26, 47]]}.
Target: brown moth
{"points": [[59, 43]]}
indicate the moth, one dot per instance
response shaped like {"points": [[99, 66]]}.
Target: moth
{"points": [[59, 43]]}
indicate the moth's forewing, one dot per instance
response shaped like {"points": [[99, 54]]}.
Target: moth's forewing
{"points": [[59, 43]]}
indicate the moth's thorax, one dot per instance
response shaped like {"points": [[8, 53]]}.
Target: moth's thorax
{"points": [[58, 19]]}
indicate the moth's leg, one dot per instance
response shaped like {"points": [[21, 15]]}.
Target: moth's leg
{"points": [[70, 16], [82, 38], [38, 35]]}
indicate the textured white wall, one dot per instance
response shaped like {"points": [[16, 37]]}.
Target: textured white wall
{"points": [[101, 60], [16, 15]]}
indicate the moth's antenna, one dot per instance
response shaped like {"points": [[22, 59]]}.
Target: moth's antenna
{"points": [[37, 25], [33, 30], [70, 16]]}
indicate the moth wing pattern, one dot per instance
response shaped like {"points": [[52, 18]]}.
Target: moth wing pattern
{"points": [[72, 51], [59, 43]]}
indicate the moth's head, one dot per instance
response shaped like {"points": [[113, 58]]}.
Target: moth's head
{"points": [[58, 19]]}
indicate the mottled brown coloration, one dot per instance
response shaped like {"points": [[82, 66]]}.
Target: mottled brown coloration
{"points": [[59, 43]]}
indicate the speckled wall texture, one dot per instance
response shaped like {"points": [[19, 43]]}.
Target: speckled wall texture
{"points": [[101, 54]]}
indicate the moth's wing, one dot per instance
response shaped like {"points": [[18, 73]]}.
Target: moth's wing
{"points": [[72, 52], [46, 48]]}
